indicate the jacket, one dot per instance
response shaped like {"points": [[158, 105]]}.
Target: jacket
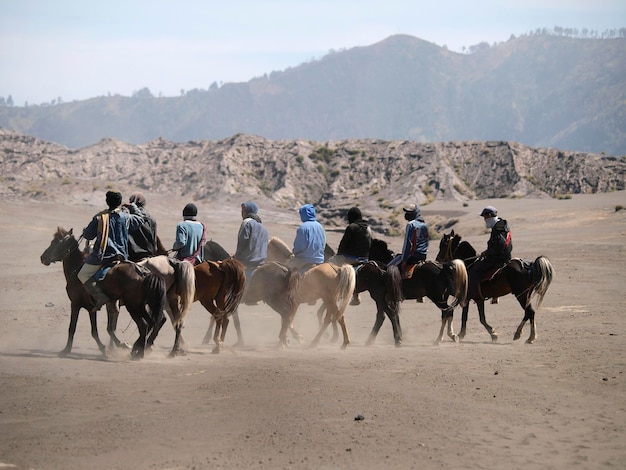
{"points": [[120, 224], [143, 242], [499, 245], [415, 239], [251, 243], [310, 239], [356, 240], [189, 236]]}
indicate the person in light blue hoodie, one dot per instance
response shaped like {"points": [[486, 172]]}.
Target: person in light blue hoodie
{"points": [[310, 241]]}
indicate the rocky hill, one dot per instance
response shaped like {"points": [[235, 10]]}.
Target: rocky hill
{"points": [[379, 176]]}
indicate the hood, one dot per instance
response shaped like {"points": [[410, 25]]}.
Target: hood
{"points": [[307, 212]]}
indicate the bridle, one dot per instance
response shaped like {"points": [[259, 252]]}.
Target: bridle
{"points": [[68, 244]]}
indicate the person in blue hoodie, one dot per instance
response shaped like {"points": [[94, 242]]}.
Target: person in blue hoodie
{"points": [[310, 241]]}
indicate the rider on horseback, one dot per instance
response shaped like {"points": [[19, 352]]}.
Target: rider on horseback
{"points": [[190, 236], [111, 229], [498, 252], [416, 238], [142, 243], [310, 241], [252, 238], [354, 247]]}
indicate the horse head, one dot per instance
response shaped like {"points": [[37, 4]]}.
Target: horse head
{"points": [[62, 244], [447, 247]]}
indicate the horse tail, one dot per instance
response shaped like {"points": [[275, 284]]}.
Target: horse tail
{"points": [[293, 283], [459, 279], [155, 297], [393, 286], [345, 287], [542, 274], [186, 285], [233, 284]]}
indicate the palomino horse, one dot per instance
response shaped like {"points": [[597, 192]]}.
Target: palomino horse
{"points": [[285, 289], [124, 281], [520, 278], [433, 280], [180, 282], [373, 277]]}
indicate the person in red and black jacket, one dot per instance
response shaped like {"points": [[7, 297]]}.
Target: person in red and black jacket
{"points": [[498, 252]]}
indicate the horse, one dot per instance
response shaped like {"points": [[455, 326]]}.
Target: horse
{"points": [[277, 251], [219, 288], [124, 281], [180, 282], [284, 289], [429, 279], [518, 277]]}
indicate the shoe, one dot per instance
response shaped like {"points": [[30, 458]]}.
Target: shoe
{"points": [[96, 292]]}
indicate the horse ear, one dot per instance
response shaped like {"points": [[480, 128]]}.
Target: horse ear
{"points": [[71, 231], [452, 233]]}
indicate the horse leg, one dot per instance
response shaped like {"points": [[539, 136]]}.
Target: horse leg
{"points": [[220, 333], [72, 329], [529, 315], [464, 320], [481, 314], [154, 333], [139, 347], [177, 349], [297, 336], [394, 318], [344, 330], [113, 314], [93, 314], [240, 341], [212, 310], [320, 317], [327, 320], [380, 318]]}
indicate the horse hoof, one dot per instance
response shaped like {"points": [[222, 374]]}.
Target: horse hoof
{"points": [[398, 344], [455, 338], [530, 341], [64, 352], [494, 338]]}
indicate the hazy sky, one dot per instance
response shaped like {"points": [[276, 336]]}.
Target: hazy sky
{"points": [[78, 49]]}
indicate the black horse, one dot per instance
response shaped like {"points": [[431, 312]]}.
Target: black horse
{"points": [[433, 280], [521, 278]]}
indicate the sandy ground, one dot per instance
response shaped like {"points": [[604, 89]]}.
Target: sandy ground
{"points": [[558, 403]]}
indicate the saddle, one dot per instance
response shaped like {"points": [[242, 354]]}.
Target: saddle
{"points": [[407, 269], [489, 275]]}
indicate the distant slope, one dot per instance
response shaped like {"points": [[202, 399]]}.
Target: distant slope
{"points": [[542, 91]]}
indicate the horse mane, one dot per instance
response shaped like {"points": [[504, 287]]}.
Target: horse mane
{"points": [[213, 251], [277, 250]]}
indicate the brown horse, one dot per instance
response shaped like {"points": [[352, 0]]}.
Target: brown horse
{"points": [[124, 281], [219, 288], [180, 282], [520, 278]]}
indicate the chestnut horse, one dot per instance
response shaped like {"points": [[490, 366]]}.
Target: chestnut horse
{"points": [[520, 278], [124, 281], [219, 288]]}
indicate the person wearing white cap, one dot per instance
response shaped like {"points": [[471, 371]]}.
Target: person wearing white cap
{"points": [[498, 252]]}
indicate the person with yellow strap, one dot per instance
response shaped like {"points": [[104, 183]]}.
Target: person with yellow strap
{"points": [[110, 228]]}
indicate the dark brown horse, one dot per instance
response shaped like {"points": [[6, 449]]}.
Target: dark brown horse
{"points": [[124, 281], [520, 278], [180, 282], [433, 280]]}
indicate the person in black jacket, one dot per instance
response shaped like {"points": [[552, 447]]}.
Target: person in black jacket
{"points": [[143, 242], [498, 252], [354, 247]]}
